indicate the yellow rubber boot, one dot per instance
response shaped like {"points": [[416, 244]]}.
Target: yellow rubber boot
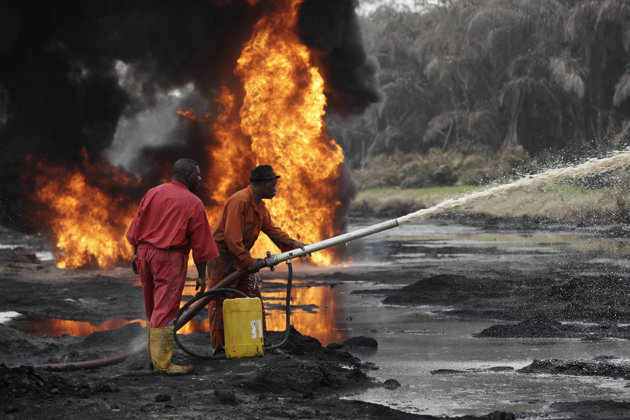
{"points": [[161, 342], [149, 345]]}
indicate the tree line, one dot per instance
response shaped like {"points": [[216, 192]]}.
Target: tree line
{"points": [[548, 76]]}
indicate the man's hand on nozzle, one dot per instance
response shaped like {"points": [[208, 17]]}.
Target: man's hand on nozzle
{"points": [[256, 265], [201, 286], [296, 244]]}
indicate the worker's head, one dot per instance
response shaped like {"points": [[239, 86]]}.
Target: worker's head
{"points": [[187, 172], [264, 180]]}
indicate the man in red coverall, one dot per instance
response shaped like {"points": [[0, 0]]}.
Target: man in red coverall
{"points": [[243, 217], [170, 221]]}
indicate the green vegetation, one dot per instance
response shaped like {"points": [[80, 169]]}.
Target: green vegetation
{"points": [[562, 203], [436, 167]]}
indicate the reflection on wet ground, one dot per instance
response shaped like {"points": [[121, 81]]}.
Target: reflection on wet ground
{"points": [[316, 309], [313, 313], [416, 341], [413, 342], [438, 342], [447, 239], [59, 327]]}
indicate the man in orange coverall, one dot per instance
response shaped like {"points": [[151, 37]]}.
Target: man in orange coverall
{"points": [[243, 216], [170, 221]]}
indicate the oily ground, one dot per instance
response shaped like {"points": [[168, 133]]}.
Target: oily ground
{"points": [[561, 298]]}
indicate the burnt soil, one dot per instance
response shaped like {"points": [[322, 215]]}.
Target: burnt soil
{"points": [[561, 298]]}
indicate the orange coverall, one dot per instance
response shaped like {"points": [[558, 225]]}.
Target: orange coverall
{"points": [[238, 227]]}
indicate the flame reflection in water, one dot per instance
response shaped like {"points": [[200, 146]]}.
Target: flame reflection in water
{"points": [[59, 327], [316, 311]]}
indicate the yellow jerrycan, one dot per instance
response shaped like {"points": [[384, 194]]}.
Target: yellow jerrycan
{"points": [[243, 327]]}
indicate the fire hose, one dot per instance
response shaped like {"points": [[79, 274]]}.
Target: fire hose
{"points": [[189, 310], [185, 314], [214, 291], [616, 160]]}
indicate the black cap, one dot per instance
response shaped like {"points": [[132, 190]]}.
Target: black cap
{"points": [[263, 173]]}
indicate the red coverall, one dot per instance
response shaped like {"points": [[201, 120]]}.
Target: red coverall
{"points": [[168, 224], [235, 232]]}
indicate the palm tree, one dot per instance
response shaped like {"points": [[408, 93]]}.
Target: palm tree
{"points": [[597, 34], [541, 74]]}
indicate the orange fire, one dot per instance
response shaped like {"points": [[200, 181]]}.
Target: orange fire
{"points": [[232, 157], [280, 122], [274, 117], [88, 224]]}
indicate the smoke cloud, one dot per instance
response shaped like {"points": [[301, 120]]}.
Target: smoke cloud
{"points": [[330, 28], [106, 78]]}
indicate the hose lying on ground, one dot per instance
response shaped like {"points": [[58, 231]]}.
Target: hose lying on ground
{"points": [[187, 312], [183, 309], [617, 159], [117, 358], [214, 291]]}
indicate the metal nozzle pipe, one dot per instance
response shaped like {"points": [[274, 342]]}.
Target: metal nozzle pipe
{"points": [[327, 243], [197, 306]]}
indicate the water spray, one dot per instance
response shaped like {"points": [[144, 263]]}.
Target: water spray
{"points": [[593, 166]]}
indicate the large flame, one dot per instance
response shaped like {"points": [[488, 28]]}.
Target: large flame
{"points": [[89, 225], [275, 116], [280, 122], [232, 157]]}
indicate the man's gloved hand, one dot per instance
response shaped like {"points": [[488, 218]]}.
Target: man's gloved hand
{"points": [[256, 265], [201, 285], [295, 244], [134, 266]]}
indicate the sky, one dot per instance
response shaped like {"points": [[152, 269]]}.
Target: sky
{"points": [[368, 6]]}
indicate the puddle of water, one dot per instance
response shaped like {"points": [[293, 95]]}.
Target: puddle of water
{"points": [[41, 255], [312, 308], [5, 246], [45, 256], [314, 314], [445, 343], [319, 311], [59, 327], [7, 316], [54, 327], [415, 341], [434, 234]]}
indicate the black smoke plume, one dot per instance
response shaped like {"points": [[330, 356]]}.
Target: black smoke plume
{"points": [[330, 28], [71, 69]]}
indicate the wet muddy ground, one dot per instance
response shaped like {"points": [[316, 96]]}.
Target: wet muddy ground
{"points": [[581, 293], [533, 284]]}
